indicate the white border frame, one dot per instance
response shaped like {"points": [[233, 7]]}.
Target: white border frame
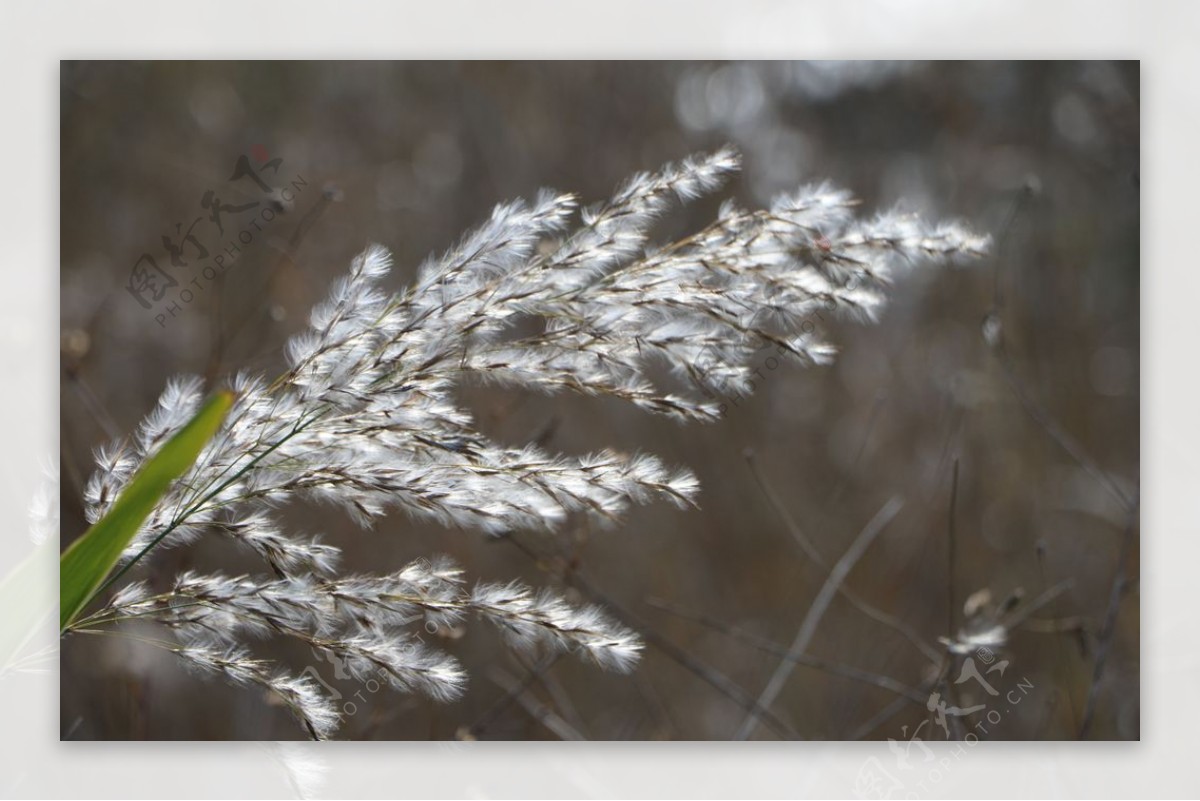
{"points": [[34, 36]]}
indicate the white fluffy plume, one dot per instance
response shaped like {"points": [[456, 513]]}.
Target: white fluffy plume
{"points": [[366, 416]]}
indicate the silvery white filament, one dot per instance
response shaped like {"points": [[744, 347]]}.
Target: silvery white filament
{"points": [[529, 619], [360, 620], [366, 417], [302, 694]]}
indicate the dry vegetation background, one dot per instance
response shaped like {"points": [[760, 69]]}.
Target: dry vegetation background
{"points": [[1043, 155]]}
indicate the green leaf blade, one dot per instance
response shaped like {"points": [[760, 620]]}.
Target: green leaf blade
{"points": [[84, 566]]}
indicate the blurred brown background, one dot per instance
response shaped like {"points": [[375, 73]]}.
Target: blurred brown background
{"points": [[1045, 156]]}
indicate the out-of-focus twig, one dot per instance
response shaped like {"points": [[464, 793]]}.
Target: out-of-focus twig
{"points": [[951, 537], [1057, 625], [1021, 613], [654, 704], [881, 717], [817, 611], [993, 330], [510, 695], [869, 429], [559, 698], [536, 709], [806, 545], [1051, 627], [1042, 417], [994, 335], [951, 601], [1109, 630], [711, 676], [221, 339], [764, 644], [714, 678]]}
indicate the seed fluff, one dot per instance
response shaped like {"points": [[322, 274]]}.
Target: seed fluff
{"points": [[366, 418]]}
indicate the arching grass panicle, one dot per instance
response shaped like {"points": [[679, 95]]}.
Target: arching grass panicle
{"points": [[366, 416]]}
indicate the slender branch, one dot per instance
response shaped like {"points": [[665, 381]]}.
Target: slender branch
{"points": [[1042, 417], [1108, 631], [810, 550], [536, 709], [510, 695], [951, 537], [994, 333], [763, 644], [819, 606], [881, 717], [714, 678]]}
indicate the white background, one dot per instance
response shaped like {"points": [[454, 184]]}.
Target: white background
{"points": [[34, 36]]}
